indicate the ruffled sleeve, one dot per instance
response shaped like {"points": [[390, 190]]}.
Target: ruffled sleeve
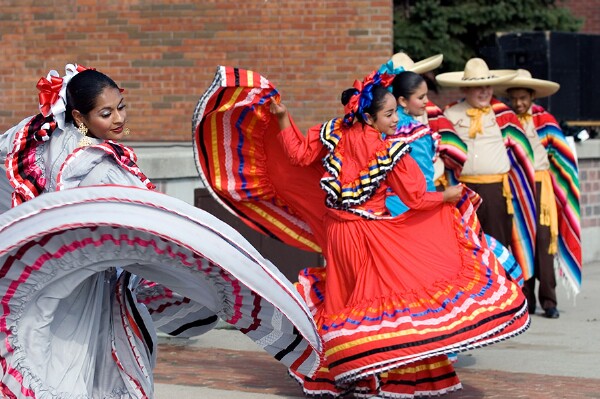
{"points": [[7, 138], [105, 163], [408, 182], [302, 150], [107, 172]]}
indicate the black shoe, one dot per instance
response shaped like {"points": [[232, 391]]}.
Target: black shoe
{"points": [[551, 313], [532, 310]]}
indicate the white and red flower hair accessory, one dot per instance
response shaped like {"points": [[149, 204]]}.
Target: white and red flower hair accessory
{"points": [[53, 92]]}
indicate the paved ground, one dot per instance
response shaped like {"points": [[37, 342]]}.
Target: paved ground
{"points": [[553, 359]]}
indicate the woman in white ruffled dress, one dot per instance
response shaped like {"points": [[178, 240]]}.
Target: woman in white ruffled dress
{"points": [[88, 242]]}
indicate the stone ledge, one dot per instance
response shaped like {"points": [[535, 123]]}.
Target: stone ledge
{"points": [[166, 160], [588, 149]]}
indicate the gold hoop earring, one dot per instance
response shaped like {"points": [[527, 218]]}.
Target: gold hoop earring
{"points": [[126, 132], [85, 140]]}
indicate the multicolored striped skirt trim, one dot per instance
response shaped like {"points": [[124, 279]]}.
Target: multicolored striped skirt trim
{"points": [[479, 306], [234, 135], [429, 377]]}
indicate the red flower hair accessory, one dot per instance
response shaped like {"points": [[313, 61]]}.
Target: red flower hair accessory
{"points": [[363, 96]]}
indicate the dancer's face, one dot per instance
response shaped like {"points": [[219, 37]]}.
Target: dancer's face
{"points": [[478, 96], [107, 119], [416, 104], [386, 119]]}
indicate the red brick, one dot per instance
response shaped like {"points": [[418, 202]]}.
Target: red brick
{"points": [[267, 37], [587, 10]]}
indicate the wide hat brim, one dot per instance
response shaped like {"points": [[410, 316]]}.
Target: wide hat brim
{"points": [[541, 88], [457, 79], [423, 66]]}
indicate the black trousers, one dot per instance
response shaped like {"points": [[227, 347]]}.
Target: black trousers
{"points": [[544, 267], [493, 213]]}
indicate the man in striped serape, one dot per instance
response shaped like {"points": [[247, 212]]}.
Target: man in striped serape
{"points": [[557, 194]]}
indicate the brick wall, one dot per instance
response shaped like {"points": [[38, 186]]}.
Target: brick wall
{"points": [[164, 53], [589, 173], [445, 96], [588, 10], [588, 153]]}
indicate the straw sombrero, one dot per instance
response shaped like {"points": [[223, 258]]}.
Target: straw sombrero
{"points": [[476, 73], [541, 88], [426, 65]]}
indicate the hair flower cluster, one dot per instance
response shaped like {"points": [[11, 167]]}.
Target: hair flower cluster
{"points": [[390, 69], [363, 96], [53, 92]]}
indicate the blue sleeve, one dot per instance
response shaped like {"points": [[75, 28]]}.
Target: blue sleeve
{"points": [[422, 152]]}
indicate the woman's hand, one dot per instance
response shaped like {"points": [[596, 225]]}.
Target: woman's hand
{"points": [[281, 112], [453, 193], [278, 109]]}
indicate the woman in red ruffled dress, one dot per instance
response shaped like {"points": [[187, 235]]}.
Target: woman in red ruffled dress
{"points": [[397, 293]]}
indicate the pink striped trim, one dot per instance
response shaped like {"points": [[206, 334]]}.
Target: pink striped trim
{"points": [[145, 203], [130, 340], [255, 312], [238, 301], [60, 253], [108, 149]]}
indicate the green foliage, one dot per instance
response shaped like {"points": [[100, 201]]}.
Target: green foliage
{"points": [[458, 28]]}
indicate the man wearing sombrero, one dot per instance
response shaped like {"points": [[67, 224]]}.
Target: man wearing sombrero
{"points": [[499, 164], [450, 150], [557, 194]]}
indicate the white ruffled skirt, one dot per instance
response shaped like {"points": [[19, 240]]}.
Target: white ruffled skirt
{"points": [[85, 271]]}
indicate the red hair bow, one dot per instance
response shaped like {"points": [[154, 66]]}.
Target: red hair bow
{"points": [[387, 79], [374, 78], [48, 95], [352, 105], [81, 68]]}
